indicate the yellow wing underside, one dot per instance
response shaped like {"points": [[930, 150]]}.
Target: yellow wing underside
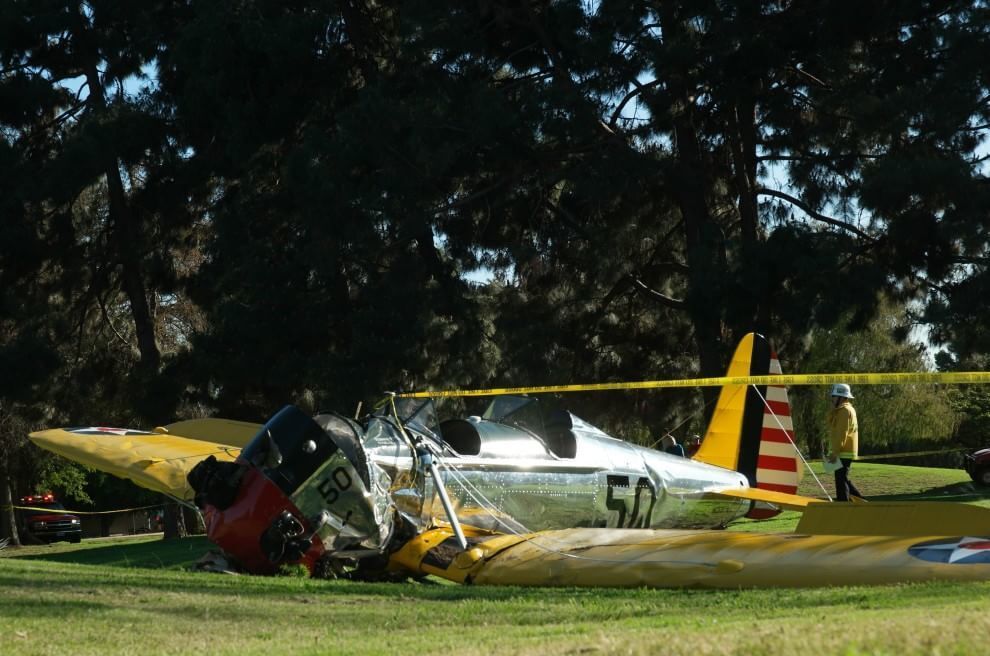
{"points": [[157, 461]]}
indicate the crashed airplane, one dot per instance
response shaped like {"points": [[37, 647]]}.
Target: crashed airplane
{"points": [[528, 496]]}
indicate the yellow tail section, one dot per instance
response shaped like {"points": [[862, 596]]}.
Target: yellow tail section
{"points": [[751, 430], [720, 445]]}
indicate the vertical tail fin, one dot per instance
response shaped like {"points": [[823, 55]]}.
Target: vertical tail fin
{"points": [[751, 429]]}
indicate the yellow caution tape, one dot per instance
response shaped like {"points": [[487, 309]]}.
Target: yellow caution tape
{"points": [[80, 512], [971, 377]]}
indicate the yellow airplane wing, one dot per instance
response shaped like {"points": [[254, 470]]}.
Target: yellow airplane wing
{"points": [[158, 461], [924, 547], [779, 499], [895, 518], [225, 431]]}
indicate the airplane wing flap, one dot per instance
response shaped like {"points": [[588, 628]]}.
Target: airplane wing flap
{"points": [[780, 499], [895, 518]]}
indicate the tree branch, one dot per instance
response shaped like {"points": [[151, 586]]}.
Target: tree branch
{"points": [[67, 114], [823, 85], [763, 191], [818, 156], [673, 303], [627, 282], [508, 58], [640, 88], [569, 219], [467, 200], [109, 322], [508, 83], [628, 43]]}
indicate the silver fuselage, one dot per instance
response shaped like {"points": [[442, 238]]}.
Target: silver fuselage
{"points": [[506, 478]]}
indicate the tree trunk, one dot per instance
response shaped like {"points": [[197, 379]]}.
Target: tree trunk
{"points": [[742, 131], [8, 521], [174, 524], [704, 241], [126, 243], [706, 257], [705, 254], [192, 521]]}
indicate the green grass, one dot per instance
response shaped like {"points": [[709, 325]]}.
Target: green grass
{"points": [[893, 482], [136, 595], [880, 483]]}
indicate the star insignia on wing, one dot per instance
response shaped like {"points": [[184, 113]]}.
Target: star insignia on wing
{"points": [[105, 430], [964, 550]]}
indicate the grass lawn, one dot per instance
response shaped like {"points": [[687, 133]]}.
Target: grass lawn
{"points": [[135, 595], [880, 483]]}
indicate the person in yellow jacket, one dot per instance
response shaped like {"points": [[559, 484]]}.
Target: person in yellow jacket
{"points": [[843, 440]]}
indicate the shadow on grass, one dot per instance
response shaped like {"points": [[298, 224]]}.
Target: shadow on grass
{"points": [[960, 492], [150, 568], [154, 554], [195, 591], [49, 608]]}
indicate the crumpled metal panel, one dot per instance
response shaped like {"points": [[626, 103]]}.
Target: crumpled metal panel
{"points": [[355, 516], [393, 457]]}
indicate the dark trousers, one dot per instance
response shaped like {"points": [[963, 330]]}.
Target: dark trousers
{"points": [[843, 486]]}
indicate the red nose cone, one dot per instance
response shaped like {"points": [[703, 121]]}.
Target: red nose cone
{"points": [[238, 529]]}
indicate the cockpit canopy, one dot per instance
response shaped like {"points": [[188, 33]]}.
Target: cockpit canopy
{"points": [[513, 426]]}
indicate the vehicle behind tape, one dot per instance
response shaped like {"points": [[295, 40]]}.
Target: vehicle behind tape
{"points": [[45, 519]]}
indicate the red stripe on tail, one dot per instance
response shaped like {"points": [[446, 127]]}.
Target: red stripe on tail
{"points": [[775, 487], [776, 463], [774, 435], [779, 408]]}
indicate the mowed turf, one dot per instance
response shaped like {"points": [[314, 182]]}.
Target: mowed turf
{"points": [[136, 595], [880, 482]]}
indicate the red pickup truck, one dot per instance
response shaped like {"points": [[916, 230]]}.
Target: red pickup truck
{"points": [[977, 464], [47, 520]]}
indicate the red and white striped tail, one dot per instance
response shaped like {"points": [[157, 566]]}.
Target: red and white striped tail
{"points": [[777, 466]]}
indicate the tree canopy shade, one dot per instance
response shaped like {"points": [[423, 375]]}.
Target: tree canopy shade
{"points": [[225, 206], [787, 162], [654, 171]]}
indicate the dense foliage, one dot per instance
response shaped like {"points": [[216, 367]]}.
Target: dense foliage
{"points": [[221, 207]]}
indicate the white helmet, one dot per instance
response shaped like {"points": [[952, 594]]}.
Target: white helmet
{"points": [[841, 389]]}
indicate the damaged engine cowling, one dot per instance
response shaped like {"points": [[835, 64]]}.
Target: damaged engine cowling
{"points": [[301, 488]]}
